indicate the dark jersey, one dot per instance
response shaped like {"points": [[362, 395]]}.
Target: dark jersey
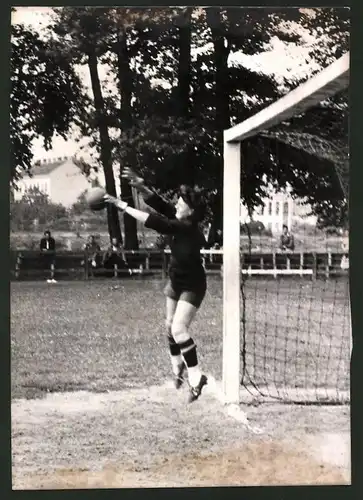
{"points": [[186, 240]]}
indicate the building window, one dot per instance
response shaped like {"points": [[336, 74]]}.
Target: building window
{"points": [[270, 208], [277, 208], [286, 208]]}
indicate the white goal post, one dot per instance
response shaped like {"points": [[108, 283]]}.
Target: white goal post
{"points": [[325, 84]]}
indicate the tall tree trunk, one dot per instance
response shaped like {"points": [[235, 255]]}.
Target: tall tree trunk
{"points": [[220, 59], [106, 153], [184, 64], [184, 161], [125, 85], [222, 116]]}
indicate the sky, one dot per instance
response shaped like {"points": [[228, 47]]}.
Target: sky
{"points": [[281, 60]]}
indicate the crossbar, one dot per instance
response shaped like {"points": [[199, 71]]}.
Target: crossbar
{"points": [[323, 85]]}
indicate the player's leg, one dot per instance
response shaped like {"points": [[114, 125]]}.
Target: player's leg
{"points": [[185, 312], [176, 358]]}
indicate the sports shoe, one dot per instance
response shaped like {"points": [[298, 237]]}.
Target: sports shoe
{"points": [[179, 379], [195, 392]]}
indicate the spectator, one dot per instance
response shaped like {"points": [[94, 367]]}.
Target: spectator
{"points": [[92, 249], [218, 239], [162, 242], [206, 233], [114, 255], [47, 249], [287, 239], [345, 248], [213, 237]]}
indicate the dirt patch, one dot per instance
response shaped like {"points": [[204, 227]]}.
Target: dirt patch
{"points": [[256, 464], [150, 438]]}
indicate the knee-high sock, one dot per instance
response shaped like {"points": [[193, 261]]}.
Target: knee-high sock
{"points": [[188, 350], [175, 354]]}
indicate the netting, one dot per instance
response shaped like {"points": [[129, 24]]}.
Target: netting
{"points": [[321, 132], [295, 309]]}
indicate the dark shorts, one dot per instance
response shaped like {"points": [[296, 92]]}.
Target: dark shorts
{"points": [[193, 294]]}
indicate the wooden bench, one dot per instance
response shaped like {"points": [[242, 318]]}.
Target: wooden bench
{"points": [[31, 264]]}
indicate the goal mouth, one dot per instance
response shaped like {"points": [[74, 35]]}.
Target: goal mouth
{"points": [[273, 347]]}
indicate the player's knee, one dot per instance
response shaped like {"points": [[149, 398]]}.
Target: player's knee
{"points": [[180, 332]]}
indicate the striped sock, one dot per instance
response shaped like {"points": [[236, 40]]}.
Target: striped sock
{"points": [[189, 352], [175, 354]]}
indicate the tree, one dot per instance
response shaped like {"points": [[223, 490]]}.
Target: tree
{"points": [[82, 31], [125, 81], [177, 91], [44, 97], [34, 209]]}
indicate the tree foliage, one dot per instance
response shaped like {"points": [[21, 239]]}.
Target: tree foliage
{"points": [[175, 89], [34, 209], [46, 95]]}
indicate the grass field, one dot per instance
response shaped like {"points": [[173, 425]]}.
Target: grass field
{"points": [[93, 407], [92, 336]]}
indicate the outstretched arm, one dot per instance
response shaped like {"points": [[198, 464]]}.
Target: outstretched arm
{"points": [[124, 207], [159, 223], [163, 207], [152, 199]]}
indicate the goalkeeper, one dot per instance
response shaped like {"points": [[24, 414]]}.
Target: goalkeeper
{"points": [[186, 286]]}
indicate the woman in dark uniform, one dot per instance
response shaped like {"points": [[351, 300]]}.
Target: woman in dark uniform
{"points": [[186, 286]]}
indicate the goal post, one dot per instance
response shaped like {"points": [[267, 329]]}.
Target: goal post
{"points": [[231, 272], [320, 87]]}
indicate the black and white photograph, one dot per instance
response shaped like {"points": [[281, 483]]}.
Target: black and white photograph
{"points": [[179, 240]]}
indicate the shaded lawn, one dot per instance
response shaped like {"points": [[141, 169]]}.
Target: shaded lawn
{"points": [[87, 335]]}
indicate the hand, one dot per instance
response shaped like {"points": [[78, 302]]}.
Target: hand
{"points": [[118, 203], [133, 178]]}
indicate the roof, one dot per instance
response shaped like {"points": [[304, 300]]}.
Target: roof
{"points": [[45, 167]]}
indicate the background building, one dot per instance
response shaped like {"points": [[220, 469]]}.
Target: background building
{"points": [[278, 209], [60, 178]]}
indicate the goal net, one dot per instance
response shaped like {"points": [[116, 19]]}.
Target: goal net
{"points": [[287, 328]]}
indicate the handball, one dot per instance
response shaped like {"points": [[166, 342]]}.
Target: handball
{"points": [[95, 198]]}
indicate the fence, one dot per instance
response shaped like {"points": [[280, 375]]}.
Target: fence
{"points": [[26, 264]]}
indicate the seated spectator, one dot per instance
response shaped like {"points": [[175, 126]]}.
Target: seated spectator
{"points": [[114, 255], [47, 249], [287, 239], [162, 242], [92, 249]]}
